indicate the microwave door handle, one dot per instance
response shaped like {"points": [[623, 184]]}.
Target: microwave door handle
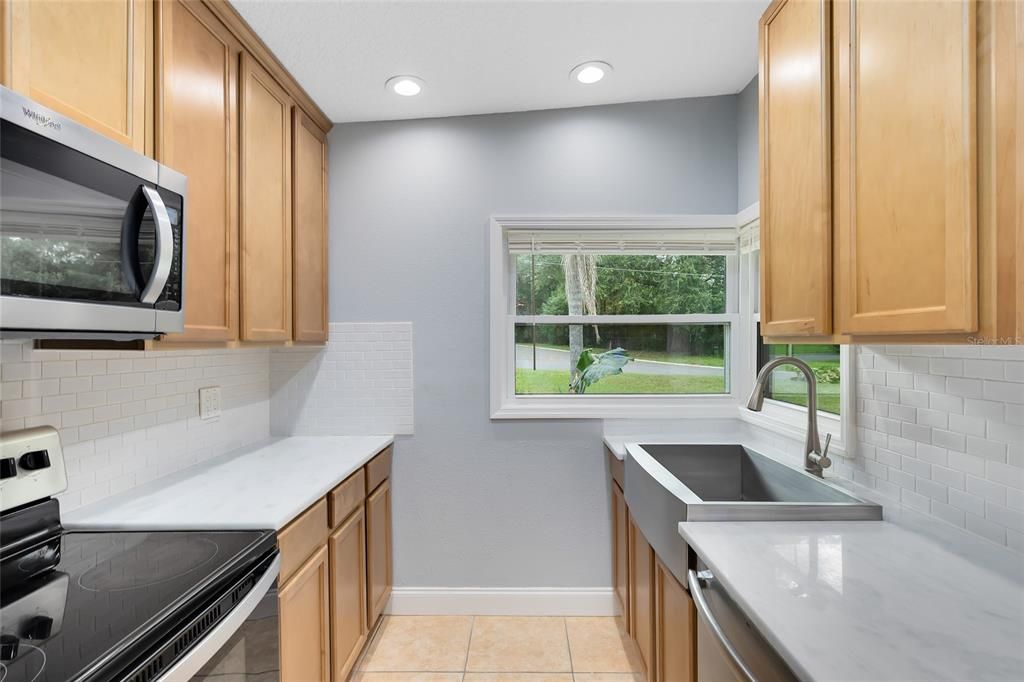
{"points": [[164, 247], [131, 266]]}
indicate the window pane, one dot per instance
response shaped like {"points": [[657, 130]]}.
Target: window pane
{"points": [[788, 384], [665, 359], [619, 285]]}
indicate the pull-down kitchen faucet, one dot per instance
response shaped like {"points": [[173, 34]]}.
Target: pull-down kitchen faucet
{"points": [[815, 460]]}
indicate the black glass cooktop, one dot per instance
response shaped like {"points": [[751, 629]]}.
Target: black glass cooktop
{"points": [[109, 595]]}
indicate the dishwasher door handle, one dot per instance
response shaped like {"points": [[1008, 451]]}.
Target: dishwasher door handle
{"points": [[735, 661]]}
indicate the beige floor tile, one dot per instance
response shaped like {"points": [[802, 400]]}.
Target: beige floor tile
{"points": [[405, 677], [512, 644], [419, 644], [599, 645], [608, 677], [518, 677]]}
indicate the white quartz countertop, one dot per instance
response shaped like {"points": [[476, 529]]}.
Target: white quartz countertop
{"points": [[860, 600], [262, 486]]}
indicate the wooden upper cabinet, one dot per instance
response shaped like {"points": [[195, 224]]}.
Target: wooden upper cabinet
{"points": [[87, 59], [265, 235], [796, 221], [906, 176], [309, 230], [304, 607], [197, 109]]}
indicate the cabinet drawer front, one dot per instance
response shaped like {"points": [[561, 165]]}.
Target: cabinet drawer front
{"points": [[347, 497], [378, 470], [302, 537]]}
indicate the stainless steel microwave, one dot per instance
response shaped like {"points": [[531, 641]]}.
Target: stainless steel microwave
{"points": [[92, 234]]}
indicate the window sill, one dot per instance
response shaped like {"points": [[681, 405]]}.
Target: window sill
{"points": [[791, 421], [615, 407]]}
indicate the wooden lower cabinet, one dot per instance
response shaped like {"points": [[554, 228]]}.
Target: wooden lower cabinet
{"points": [[305, 622], [620, 552], [378, 551], [347, 547], [335, 576], [658, 612], [675, 628], [641, 598]]}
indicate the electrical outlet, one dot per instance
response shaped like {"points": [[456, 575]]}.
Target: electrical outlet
{"points": [[209, 402]]}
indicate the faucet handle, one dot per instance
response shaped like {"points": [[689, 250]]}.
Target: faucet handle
{"points": [[824, 462]]}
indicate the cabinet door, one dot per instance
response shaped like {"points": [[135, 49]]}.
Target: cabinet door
{"points": [[796, 219], [198, 136], [89, 60], [348, 593], [378, 551], [676, 629], [309, 230], [305, 622], [906, 173], [620, 551], [641, 597], [266, 242]]}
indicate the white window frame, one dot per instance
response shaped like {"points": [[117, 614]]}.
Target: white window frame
{"points": [[505, 404], [778, 416]]}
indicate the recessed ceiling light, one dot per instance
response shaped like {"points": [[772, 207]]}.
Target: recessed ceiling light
{"points": [[590, 72], [406, 86]]}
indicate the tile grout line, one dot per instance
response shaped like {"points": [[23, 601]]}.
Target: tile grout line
{"points": [[469, 645], [568, 647]]}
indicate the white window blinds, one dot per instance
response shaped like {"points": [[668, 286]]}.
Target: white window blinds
{"points": [[717, 241]]}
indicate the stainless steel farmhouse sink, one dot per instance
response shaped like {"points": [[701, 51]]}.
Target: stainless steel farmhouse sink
{"points": [[670, 483]]}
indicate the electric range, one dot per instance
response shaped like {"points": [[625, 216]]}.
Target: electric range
{"points": [[117, 605]]}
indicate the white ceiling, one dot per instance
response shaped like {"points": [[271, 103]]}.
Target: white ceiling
{"points": [[486, 56]]}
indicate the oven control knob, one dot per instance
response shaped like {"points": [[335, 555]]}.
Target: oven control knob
{"points": [[38, 628], [37, 459], [8, 647], [8, 467]]}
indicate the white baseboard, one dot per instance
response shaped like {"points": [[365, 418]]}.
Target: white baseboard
{"points": [[503, 601]]}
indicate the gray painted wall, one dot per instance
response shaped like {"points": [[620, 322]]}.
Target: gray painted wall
{"points": [[479, 502], [747, 171]]}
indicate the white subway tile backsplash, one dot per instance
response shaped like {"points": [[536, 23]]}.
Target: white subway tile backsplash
{"points": [[1007, 391], [969, 426], [949, 440], [941, 429], [360, 383], [117, 433], [967, 502]]}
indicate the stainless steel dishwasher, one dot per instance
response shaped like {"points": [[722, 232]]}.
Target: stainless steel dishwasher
{"points": [[729, 647]]}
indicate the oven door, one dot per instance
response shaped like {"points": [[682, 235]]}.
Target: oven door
{"points": [[91, 233], [244, 645]]}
